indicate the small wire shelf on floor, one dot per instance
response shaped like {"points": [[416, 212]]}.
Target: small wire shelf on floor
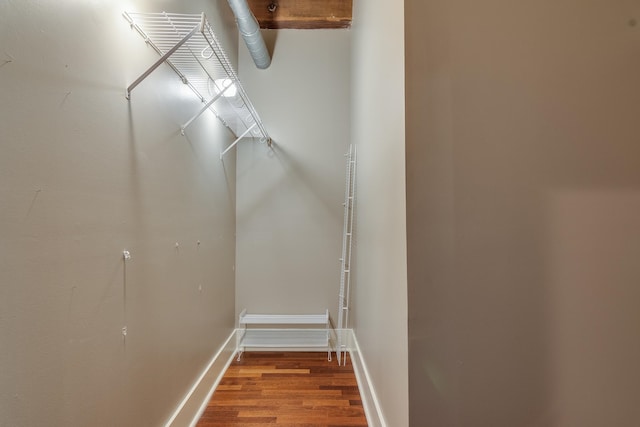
{"points": [[188, 44]]}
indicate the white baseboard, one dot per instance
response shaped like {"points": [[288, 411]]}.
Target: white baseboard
{"points": [[196, 400], [370, 401]]}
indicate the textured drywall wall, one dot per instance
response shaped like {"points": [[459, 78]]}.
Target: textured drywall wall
{"points": [[85, 174], [380, 281], [523, 183], [289, 197]]}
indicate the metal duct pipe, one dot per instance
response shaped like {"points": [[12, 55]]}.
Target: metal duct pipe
{"points": [[250, 31]]}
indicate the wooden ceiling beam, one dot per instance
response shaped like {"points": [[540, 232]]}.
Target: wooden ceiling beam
{"points": [[302, 14]]}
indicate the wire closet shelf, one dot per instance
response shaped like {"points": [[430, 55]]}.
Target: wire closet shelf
{"points": [[188, 44]]}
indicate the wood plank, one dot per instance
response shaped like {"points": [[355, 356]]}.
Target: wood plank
{"points": [[303, 14], [317, 392]]}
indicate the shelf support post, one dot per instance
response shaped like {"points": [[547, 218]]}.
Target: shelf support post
{"points": [[161, 60], [237, 140], [203, 109]]}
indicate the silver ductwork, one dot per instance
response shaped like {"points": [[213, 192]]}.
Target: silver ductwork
{"points": [[250, 32]]}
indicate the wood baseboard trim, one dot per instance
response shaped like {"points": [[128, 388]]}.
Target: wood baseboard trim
{"points": [[195, 401], [370, 402]]}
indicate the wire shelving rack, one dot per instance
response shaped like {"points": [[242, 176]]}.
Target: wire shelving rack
{"points": [[188, 44]]}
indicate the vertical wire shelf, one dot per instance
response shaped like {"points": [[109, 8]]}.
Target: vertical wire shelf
{"points": [[188, 44], [346, 259]]}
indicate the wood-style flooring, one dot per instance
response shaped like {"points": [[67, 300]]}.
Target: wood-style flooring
{"points": [[286, 389]]}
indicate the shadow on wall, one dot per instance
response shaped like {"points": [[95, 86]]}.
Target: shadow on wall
{"points": [[207, 142], [594, 247], [270, 39], [291, 172], [523, 211], [524, 310]]}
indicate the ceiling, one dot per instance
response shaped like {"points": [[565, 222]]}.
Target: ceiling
{"points": [[302, 14]]}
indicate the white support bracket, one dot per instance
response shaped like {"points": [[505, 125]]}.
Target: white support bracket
{"points": [[203, 109], [162, 59], [237, 140]]}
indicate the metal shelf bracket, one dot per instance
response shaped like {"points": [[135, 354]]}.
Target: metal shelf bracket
{"points": [[188, 44], [162, 59]]}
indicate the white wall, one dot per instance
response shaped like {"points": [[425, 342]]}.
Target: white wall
{"points": [[380, 291], [85, 174], [289, 197], [523, 211]]}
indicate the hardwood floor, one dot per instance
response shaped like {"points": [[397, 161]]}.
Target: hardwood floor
{"points": [[289, 389]]}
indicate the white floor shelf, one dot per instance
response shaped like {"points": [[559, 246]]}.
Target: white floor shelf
{"points": [[298, 335]]}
